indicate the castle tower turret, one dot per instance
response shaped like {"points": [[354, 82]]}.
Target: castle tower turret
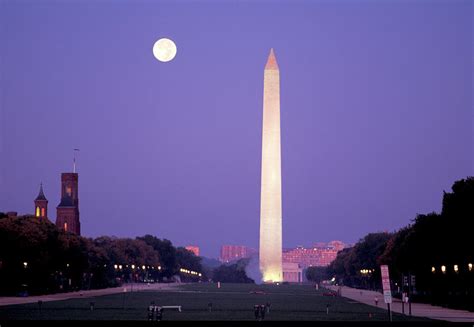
{"points": [[41, 204], [67, 217]]}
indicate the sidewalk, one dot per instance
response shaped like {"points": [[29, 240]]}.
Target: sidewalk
{"points": [[417, 309], [85, 294]]}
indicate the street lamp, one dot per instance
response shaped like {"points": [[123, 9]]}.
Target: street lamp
{"points": [[433, 269], [456, 268], [25, 264], [443, 269], [469, 266]]}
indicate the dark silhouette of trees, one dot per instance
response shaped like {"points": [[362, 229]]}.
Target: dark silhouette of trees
{"points": [[233, 273], [317, 274], [167, 253], [37, 257], [358, 266], [422, 248]]}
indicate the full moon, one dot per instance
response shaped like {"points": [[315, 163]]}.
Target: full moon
{"points": [[164, 50]]}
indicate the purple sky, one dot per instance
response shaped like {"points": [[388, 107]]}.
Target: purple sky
{"points": [[376, 114]]}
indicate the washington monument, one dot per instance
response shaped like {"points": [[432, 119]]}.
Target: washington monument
{"points": [[270, 197]]}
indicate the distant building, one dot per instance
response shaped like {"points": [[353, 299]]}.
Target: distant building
{"points": [[193, 248], [337, 245], [317, 256], [41, 204], [67, 217], [292, 272], [235, 252], [305, 257]]}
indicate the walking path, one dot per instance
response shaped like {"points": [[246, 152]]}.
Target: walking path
{"points": [[86, 294], [417, 309]]}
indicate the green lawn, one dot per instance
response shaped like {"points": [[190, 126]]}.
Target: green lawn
{"points": [[230, 302]]}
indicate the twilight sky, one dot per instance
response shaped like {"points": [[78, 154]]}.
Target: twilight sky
{"points": [[376, 113]]}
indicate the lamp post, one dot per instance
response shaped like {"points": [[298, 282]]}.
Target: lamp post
{"points": [[25, 266]]}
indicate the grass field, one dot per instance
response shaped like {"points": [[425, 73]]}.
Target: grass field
{"points": [[230, 302]]}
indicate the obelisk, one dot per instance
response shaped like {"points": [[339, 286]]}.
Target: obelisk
{"points": [[270, 197]]}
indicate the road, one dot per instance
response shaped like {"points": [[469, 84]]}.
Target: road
{"points": [[417, 309]]}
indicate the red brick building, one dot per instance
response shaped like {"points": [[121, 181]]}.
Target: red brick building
{"points": [[41, 204], [193, 248], [320, 256], [235, 252], [67, 217]]}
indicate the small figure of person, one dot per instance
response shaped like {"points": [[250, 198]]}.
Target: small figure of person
{"points": [[159, 314], [256, 308], [262, 311], [151, 311], [376, 301]]}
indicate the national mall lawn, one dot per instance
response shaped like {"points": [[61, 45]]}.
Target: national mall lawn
{"points": [[230, 302]]}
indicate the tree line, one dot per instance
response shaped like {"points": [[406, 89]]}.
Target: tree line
{"points": [[436, 248], [38, 258]]}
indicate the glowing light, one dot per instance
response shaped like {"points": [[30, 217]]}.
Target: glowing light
{"points": [[433, 269], [143, 267], [270, 192], [115, 266], [443, 269], [120, 266], [133, 266], [469, 265], [164, 50], [200, 274], [25, 264], [456, 268], [37, 211], [159, 267]]}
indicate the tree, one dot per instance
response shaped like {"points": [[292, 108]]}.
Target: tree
{"points": [[358, 266], [317, 274], [233, 273], [167, 253]]}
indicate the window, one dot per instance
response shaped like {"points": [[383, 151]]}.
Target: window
{"points": [[69, 190], [43, 212], [37, 211], [65, 227]]}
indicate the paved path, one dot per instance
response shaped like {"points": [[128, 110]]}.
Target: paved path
{"points": [[85, 294], [417, 309]]}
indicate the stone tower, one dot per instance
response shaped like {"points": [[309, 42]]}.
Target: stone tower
{"points": [[41, 204], [67, 217], [270, 199]]}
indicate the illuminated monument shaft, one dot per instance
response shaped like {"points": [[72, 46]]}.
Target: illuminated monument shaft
{"points": [[270, 200]]}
